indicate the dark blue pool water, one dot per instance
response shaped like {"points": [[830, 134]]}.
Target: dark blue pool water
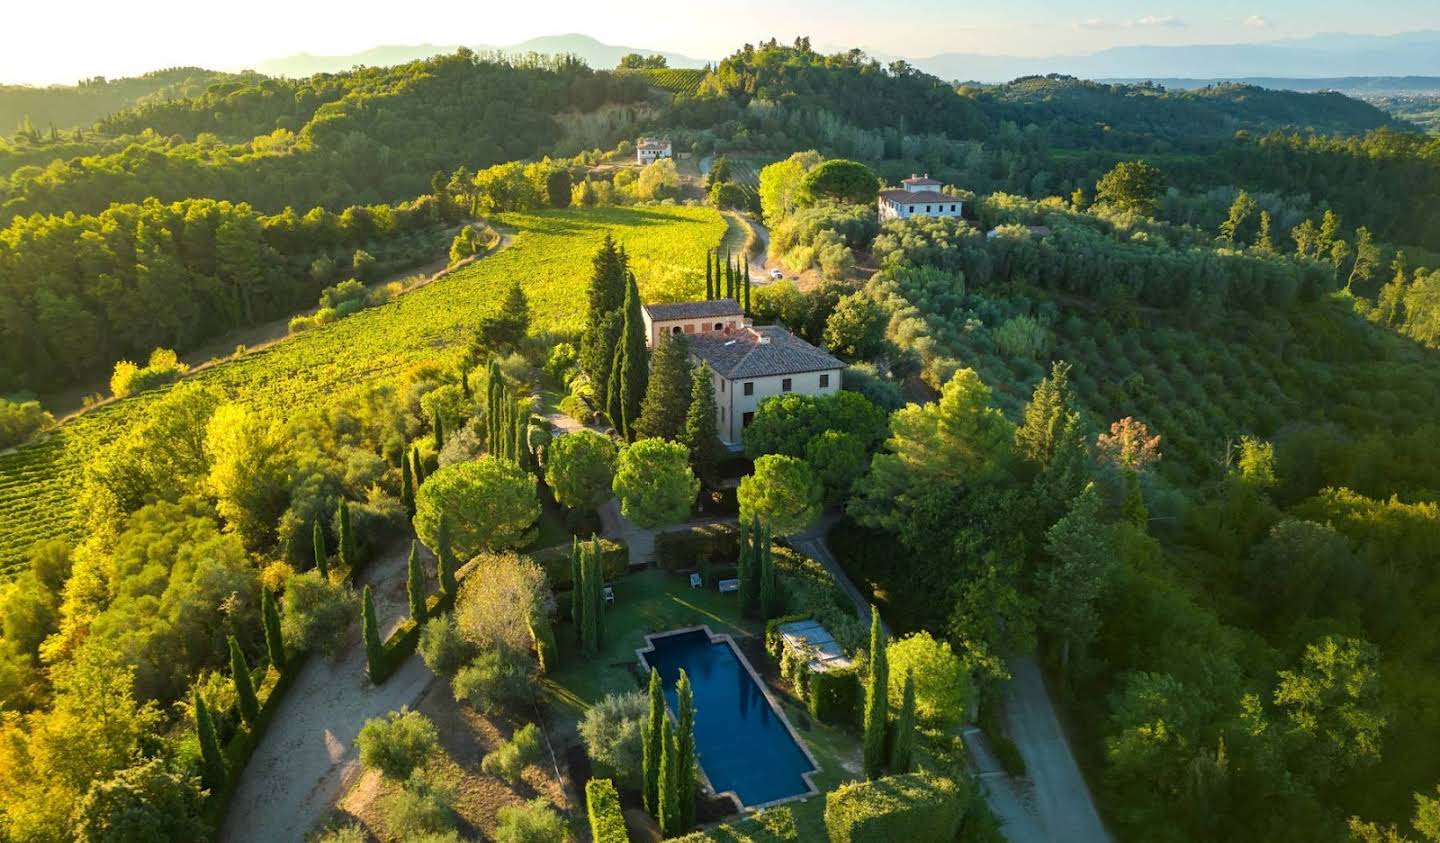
{"points": [[742, 743]]}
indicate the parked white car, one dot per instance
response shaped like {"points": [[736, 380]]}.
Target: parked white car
{"points": [[776, 274]]}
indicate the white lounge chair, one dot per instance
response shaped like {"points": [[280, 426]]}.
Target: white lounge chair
{"points": [[727, 586], [696, 581], [609, 595]]}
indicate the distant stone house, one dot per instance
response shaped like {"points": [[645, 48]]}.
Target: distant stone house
{"points": [[690, 318], [652, 149], [918, 196], [755, 362]]}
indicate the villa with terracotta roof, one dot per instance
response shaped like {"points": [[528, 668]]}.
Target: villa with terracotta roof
{"points": [[651, 149], [918, 196], [690, 318], [753, 363]]}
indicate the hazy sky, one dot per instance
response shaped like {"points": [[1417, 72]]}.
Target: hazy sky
{"points": [[61, 41]]}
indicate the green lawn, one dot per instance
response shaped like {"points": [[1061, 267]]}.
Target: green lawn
{"points": [[645, 602]]}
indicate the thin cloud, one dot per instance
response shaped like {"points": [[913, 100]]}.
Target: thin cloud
{"points": [[1159, 21], [1257, 22], [1093, 23]]}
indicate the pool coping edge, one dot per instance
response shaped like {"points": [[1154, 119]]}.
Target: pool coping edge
{"points": [[769, 698]]}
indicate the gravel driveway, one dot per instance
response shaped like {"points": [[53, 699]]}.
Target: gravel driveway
{"points": [[308, 758]]}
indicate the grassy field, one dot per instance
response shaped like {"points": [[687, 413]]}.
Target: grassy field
{"points": [[550, 256]]}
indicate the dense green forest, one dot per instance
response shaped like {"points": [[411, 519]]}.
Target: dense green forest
{"points": [[369, 136], [39, 111]]}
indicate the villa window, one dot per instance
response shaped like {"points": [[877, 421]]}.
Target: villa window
{"points": [[719, 326], [746, 419], [675, 330], [927, 209], [785, 385], [824, 380], [749, 387]]}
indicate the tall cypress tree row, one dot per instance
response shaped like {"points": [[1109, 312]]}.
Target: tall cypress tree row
{"points": [[270, 618], [322, 556], [212, 760], [651, 736], [685, 740], [370, 631], [668, 813], [347, 539], [444, 558], [630, 370], [903, 750], [245, 698], [415, 583], [877, 701]]}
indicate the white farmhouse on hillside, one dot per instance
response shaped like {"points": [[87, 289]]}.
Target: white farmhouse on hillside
{"points": [[651, 149], [690, 318], [919, 196], [756, 362]]}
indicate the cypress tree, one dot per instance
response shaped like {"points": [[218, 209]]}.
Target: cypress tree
{"points": [[417, 467], [597, 589], [444, 558], [877, 701], [769, 587], [522, 443], [274, 641], [709, 277], [729, 276], [747, 284], [667, 396], [465, 382], [651, 735], [587, 604], [605, 296], [668, 813], [630, 369], [347, 539], [702, 434], [415, 583], [439, 429], [245, 698], [901, 754], [370, 631], [746, 569], [407, 486], [212, 760], [495, 383], [685, 740], [577, 588], [322, 556]]}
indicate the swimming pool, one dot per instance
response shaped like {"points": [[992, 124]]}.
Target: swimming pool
{"points": [[744, 743]]}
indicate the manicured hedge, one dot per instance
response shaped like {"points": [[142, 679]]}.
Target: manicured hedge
{"points": [[697, 547], [915, 807], [607, 821], [614, 559], [773, 644], [834, 696], [402, 642]]}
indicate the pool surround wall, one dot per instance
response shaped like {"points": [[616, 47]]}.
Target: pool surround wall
{"points": [[769, 698]]}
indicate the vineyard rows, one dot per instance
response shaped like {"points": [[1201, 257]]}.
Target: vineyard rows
{"points": [[679, 81], [550, 256]]}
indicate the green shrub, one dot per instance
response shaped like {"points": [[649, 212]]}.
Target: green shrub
{"points": [[495, 681], [602, 804], [532, 822], [397, 744], [442, 648], [424, 806], [834, 696], [510, 759], [611, 731], [914, 807]]}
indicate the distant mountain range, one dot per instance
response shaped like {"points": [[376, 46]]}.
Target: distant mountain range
{"points": [[1320, 56], [595, 54], [1360, 86]]}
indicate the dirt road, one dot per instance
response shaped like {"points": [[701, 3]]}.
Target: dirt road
{"points": [[308, 758]]}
